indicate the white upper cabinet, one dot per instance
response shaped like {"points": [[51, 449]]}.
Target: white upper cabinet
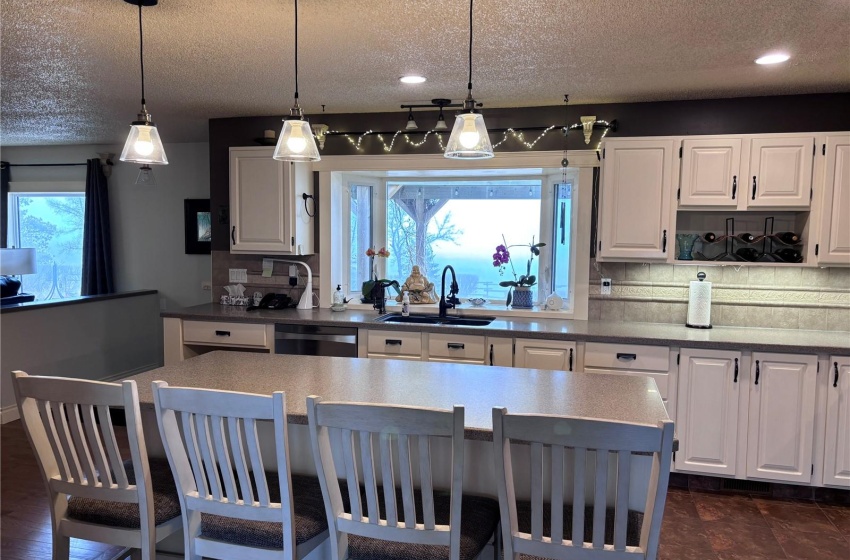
{"points": [[780, 172], [781, 417], [711, 172], [635, 199], [267, 212], [834, 243], [836, 461], [707, 418]]}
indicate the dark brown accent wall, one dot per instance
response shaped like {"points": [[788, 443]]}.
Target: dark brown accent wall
{"points": [[745, 115]]}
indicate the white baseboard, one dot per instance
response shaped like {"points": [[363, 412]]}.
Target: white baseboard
{"points": [[10, 413]]}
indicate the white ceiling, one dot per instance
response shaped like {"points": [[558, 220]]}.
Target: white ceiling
{"points": [[69, 69]]}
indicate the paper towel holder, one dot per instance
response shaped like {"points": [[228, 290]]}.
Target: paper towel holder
{"points": [[700, 277]]}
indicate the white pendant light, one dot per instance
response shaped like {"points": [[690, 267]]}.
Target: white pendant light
{"points": [[296, 142], [143, 144], [441, 121], [469, 138], [411, 122]]}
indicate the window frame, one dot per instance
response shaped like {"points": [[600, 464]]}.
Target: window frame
{"points": [[582, 162]]}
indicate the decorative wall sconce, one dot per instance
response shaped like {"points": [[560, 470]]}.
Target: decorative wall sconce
{"points": [[320, 132], [587, 125]]}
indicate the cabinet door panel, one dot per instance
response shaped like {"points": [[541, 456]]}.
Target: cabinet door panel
{"points": [[835, 232], [545, 354], [782, 171], [711, 172], [781, 422], [707, 415], [636, 183], [836, 464]]}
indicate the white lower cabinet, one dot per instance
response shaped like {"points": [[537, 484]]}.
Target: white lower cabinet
{"points": [[707, 417], [836, 457], [781, 417], [545, 354]]}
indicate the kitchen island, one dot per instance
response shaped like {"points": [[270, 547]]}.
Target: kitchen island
{"points": [[437, 385]]}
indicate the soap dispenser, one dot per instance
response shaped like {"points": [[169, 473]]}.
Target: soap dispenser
{"points": [[338, 298]]}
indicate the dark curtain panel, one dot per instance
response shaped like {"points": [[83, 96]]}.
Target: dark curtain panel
{"points": [[4, 202], [97, 243]]}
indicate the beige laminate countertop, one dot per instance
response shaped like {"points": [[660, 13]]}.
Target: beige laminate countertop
{"points": [[621, 398], [662, 334]]}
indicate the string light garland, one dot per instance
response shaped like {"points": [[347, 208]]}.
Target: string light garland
{"points": [[356, 139]]}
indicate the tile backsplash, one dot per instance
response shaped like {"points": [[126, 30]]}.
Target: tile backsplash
{"points": [[222, 261], [742, 296]]}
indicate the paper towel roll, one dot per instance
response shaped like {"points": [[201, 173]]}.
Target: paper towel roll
{"points": [[699, 305]]}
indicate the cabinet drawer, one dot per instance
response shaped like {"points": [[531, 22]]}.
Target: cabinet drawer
{"points": [[394, 343], [661, 379], [458, 347], [627, 356], [225, 334]]}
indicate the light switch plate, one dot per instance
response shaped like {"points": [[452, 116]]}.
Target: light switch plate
{"points": [[238, 274], [605, 287], [293, 271]]}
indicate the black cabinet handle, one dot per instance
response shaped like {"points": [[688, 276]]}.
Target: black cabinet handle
{"points": [[233, 235], [455, 345], [735, 379], [758, 371], [664, 242], [392, 342], [627, 357], [571, 359], [734, 186], [754, 187], [491, 354], [222, 333], [835, 381]]}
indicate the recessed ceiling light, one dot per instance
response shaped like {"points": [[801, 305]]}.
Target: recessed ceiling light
{"points": [[772, 58], [412, 79]]}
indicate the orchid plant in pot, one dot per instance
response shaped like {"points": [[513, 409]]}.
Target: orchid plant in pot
{"points": [[520, 293]]}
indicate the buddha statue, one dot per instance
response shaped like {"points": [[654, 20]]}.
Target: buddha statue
{"points": [[418, 287]]}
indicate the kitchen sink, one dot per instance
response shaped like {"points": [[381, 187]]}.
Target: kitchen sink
{"points": [[436, 320]]}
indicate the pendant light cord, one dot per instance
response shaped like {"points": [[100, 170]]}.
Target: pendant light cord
{"points": [[296, 52], [142, 53], [469, 84]]}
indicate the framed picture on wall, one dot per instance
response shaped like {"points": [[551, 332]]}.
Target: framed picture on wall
{"points": [[198, 223]]}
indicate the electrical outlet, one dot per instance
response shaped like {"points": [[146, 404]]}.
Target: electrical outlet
{"points": [[605, 287], [293, 271], [206, 286], [238, 274]]}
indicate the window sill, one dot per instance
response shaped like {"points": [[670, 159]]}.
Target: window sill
{"points": [[468, 310]]}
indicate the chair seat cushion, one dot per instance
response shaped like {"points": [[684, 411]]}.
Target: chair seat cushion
{"points": [[166, 503], [479, 517], [633, 524], [310, 518]]}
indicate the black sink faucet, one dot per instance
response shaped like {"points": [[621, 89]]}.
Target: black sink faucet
{"points": [[446, 304], [378, 296]]}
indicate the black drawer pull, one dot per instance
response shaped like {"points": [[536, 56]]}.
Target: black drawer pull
{"points": [[233, 235], [222, 333], [735, 380], [626, 357], [454, 345], [734, 186], [664, 242], [571, 359], [491, 354], [754, 187], [392, 342], [758, 372], [835, 381]]}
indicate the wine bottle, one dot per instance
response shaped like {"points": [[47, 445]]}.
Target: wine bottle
{"points": [[788, 237], [709, 237], [747, 237], [789, 255]]}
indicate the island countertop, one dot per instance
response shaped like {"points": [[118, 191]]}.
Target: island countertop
{"points": [[719, 338], [621, 398]]}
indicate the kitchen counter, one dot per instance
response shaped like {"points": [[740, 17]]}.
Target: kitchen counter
{"points": [[620, 398], [662, 334]]}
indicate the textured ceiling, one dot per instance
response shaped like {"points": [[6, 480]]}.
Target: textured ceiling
{"points": [[69, 69]]}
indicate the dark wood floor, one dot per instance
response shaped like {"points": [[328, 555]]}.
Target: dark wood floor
{"points": [[698, 524]]}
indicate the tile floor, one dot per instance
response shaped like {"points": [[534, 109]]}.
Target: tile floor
{"points": [[698, 524]]}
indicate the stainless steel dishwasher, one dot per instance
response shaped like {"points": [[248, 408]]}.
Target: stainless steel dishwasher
{"points": [[312, 340]]}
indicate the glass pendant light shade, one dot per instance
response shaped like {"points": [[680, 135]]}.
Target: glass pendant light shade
{"points": [[145, 177], [296, 142], [144, 146], [469, 139]]}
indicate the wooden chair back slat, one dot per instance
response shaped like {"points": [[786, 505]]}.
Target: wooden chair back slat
{"points": [[222, 455], [600, 493], [557, 497], [621, 511], [96, 443], [369, 482], [116, 465], [536, 461], [238, 448], [211, 467], [46, 416], [426, 483], [405, 468], [201, 486], [81, 444], [61, 422], [252, 439], [388, 478], [556, 433], [579, 462], [407, 430]]}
